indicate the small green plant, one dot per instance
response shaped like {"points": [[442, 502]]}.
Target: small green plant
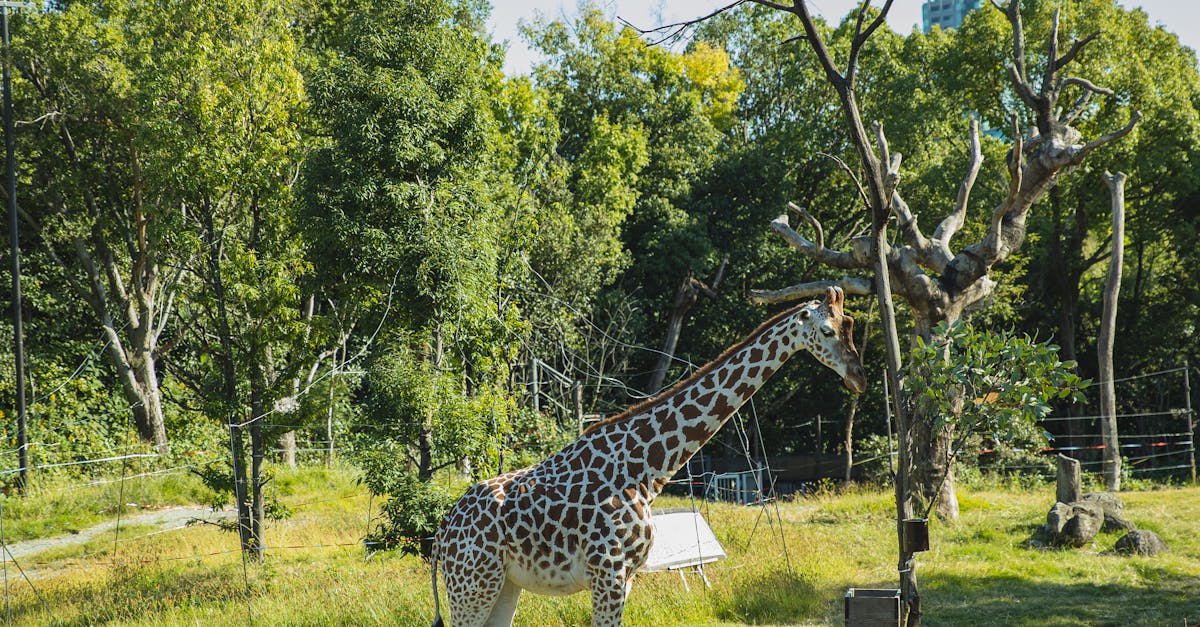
{"points": [[990, 389], [218, 478], [411, 514]]}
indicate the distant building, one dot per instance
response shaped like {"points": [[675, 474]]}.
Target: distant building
{"points": [[945, 13]]}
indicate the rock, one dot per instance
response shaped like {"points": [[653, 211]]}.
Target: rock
{"points": [[1057, 518], [1085, 522], [1141, 543], [1114, 510]]}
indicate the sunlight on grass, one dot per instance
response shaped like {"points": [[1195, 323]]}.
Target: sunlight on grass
{"points": [[979, 571]]}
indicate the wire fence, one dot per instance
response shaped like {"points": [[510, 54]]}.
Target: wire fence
{"points": [[1155, 430]]}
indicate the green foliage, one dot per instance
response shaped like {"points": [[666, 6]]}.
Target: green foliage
{"points": [[218, 478], [990, 386], [413, 509]]}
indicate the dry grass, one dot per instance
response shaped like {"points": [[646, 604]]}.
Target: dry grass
{"points": [[979, 571]]}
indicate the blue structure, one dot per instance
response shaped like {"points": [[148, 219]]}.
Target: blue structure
{"points": [[945, 13]]}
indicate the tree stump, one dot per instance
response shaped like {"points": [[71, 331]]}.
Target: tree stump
{"points": [[1068, 480]]}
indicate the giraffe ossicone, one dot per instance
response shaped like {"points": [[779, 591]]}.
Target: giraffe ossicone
{"points": [[580, 519]]}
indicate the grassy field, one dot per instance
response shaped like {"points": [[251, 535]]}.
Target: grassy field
{"points": [[978, 571]]}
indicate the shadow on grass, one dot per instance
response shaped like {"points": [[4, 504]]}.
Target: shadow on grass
{"points": [[778, 597], [1010, 600]]}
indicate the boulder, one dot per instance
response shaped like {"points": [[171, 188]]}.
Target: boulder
{"points": [[1057, 518], [1114, 510], [1081, 528], [1141, 543]]}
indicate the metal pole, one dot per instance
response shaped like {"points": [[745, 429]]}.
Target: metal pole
{"points": [[18, 331], [577, 398], [1187, 395], [534, 389]]}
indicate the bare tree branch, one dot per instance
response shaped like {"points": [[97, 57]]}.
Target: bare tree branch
{"points": [[811, 220], [953, 222], [1086, 84], [1104, 139], [991, 245], [858, 259], [1052, 54], [677, 29], [1076, 47], [857, 183], [849, 285], [861, 36]]}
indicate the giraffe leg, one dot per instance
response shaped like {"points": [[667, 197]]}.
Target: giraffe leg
{"points": [[505, 607], [474, 590], [609, 589]]}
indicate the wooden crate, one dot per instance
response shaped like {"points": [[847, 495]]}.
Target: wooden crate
{"points": [[866, 607]]}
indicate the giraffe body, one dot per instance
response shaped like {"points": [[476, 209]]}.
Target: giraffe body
{"points": [[581, 519]]}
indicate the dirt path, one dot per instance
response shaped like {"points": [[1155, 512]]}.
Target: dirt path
{"points": [[166, 519]]}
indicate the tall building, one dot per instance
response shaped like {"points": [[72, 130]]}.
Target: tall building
{"points": [[945, 13]]}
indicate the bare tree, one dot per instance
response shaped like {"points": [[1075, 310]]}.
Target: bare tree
{"points": [[1108, 323], [939, 282]]}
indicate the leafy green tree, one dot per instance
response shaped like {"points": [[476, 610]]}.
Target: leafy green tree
{"points": [[638, 126], [406, 221], [102, 202]]}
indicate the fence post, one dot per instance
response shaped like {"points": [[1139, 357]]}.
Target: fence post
{"points": [[1187, 396]]}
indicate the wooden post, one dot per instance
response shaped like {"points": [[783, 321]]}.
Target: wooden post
{"points": [[1108, 321], [820, 444], [1068, 490]]}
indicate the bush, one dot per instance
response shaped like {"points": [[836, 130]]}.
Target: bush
{"points": [[413, 510]]}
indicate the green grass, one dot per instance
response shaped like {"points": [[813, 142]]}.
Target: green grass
{"points": [[979, 571]]}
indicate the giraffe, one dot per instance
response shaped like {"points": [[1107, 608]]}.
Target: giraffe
{"points": [[580, 519]]}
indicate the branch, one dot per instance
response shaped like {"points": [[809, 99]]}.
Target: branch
{"points": [[1013, 13], [1100, 141], [849, 285], [861, 36], [799, 8], [906, 221], [837, 259], [1051, 53], [1062, 61], [677, 28], [857, 183], [991, 244], [953, 222], [811, 220], [1077, 109], [1086, 84], [888, 159]]}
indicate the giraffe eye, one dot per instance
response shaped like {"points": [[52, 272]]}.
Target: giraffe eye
{"points": [[827, 331]]}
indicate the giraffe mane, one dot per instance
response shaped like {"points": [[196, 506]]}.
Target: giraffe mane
{"points": [[655, 401]]}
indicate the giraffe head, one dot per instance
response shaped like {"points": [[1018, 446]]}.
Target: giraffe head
{"points": [[828, 333]]}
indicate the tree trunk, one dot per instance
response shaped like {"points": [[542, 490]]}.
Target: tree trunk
{"points": [[849, 442], [287, 449], [685, 297], [1108, 321]]}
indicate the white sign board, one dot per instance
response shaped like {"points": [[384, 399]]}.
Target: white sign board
{"points": [[682, 538]]}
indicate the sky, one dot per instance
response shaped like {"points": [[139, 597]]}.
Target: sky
{"points": [[1174, 15]]}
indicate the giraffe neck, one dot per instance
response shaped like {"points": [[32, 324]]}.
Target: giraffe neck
{"points": [[671, 429]]}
